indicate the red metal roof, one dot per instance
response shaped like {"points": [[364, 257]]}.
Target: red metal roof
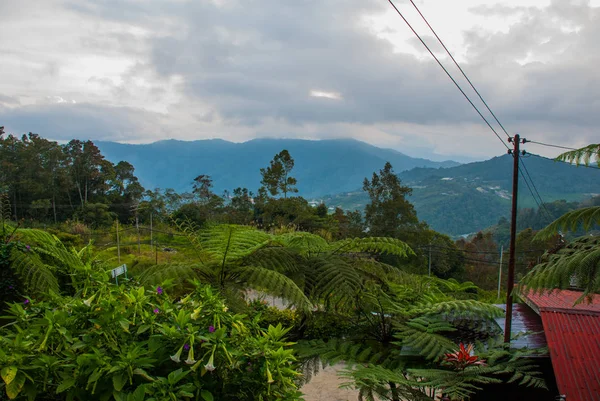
{"points": [[562, 300], [573, 337], [574, 345]]}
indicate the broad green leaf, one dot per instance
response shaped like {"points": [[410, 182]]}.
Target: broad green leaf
{"points": [[16, 385], [8, 373], [143, 373], [125, 325], [142, 329], [139, 393], [207, 395], [119, 381], [65, 385]]}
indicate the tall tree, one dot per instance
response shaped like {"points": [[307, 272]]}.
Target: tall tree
{"points": [[86, 168], [202, 187], [389, 213], [276, 177]]}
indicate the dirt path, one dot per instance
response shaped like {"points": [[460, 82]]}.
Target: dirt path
{"points": [[325, 387]]}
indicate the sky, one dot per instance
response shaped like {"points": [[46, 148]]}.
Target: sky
{"points": [[139, 71]]}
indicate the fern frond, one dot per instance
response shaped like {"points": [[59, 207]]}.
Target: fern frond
{"points": [[585, 217], [37, 277], [274, 283], [583, 155], [176, 273], [375, 382], [307, 244], [231, 243], [276, 258], [334, 276], [462, 308], [425, 335], [380, 245], [580, 260]]}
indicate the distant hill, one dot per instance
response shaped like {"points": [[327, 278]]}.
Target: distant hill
{"points": [[321, 167], [473, 196]]}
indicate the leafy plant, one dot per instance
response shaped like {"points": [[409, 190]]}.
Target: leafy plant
{"points": [[132, 344]]}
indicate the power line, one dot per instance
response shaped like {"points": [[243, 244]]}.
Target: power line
{"points": [[552, 146], [447, 73], [543, 204], [460, 69], [476, 91], [487, 107]]}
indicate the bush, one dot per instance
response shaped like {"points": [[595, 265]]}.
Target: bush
{"points": [[127, 343]]}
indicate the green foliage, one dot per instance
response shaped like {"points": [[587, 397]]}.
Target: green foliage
{"points": [[233, 259], [388, 213], [585, 155], [42, 177], [95, 215], [276, 178], [577, 263], [128, 343], [585, 218]]}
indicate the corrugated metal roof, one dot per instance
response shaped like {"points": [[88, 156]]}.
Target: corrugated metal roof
{"points": [[524, 320], [573, 337], [562, 300], [574, 344]]}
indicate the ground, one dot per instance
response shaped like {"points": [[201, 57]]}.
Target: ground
{"points": [[325, 387]]}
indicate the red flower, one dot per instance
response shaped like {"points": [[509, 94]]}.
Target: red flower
{"points": [[462, 358]]}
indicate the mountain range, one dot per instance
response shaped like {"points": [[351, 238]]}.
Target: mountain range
{"points": [[452, 198], [321, 167], [467, 198]]}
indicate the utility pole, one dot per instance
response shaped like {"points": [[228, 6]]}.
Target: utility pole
{"points": [[118, 245], [151, 242], [500, 269], [430, 259], [516, 140]]}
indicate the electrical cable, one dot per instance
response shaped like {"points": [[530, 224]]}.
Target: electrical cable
{"points": [[550, 145], [464, 94], [460, 68], [447, 73]]}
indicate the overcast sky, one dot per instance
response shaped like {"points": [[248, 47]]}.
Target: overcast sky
{"points": [[141, 71]]}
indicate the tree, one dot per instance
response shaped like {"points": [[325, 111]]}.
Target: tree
{"points": [[232, 259], [389, 212], [276, 178], [87, 169], [202, 187]]}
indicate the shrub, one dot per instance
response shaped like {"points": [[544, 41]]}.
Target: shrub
{"points": [[127, 343]]}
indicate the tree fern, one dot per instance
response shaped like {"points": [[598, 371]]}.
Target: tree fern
{"points": [[462, 308], [426, 336], [37, 277], [379, 245], [275, 283], [585, 218], [578, 261]]}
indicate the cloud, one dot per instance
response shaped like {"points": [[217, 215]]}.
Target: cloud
{"points": [[237, 69], [61, 120]]}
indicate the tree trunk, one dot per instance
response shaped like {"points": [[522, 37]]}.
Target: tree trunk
{"points": [[54, 206], [395, 396], [15, 204]]}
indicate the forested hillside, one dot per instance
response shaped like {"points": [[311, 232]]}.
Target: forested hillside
{"points": [[322, 167], [467, 198]]}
